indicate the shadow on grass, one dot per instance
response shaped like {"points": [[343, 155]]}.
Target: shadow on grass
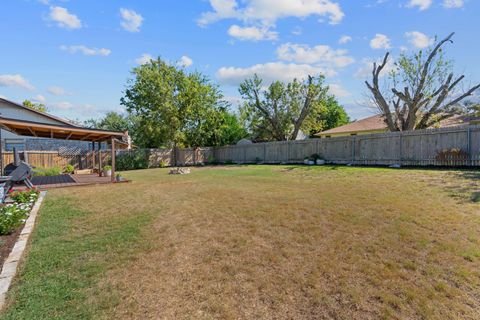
{"points": [[471, 185]]}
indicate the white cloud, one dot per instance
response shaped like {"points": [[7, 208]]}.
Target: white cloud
{"points": [[421, 4], [419, 40], [132, 21], [86, 50], [380, 41], [64, 19], [252, 33], [185, 62], [452, 4], [270, 72], [344, 39], [144, 58], [338, 91], [321, 55], [267, 12], [297, 31], [64, 105], [15, 80], [57, 91], [39, 98], [365, 71]]}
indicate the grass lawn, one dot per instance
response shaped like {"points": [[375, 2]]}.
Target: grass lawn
{"points": [[269, 242]]}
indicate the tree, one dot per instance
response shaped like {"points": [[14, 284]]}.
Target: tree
{"points": [[423, 89], [174, 108], [112, 121], [327, 114], [282, 110], [35, 105]]}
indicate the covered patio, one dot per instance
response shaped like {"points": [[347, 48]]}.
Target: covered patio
{"points": [[115, 139]]}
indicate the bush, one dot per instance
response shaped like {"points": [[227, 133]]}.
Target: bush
{"points": [[24, 196], [46, 172], [132, 160], [107, 168], [12, 216], [163, 164], [69, 169]]}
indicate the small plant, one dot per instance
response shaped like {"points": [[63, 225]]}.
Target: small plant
{"points": [[46, 172], [163, 164], [69, 169], [24, 196], [107, 168]]}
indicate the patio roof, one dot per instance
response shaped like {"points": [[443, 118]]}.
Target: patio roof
{"points": [[64, 132]]}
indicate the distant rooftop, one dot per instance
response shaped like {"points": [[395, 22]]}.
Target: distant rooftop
{"points": [[377, 123]]}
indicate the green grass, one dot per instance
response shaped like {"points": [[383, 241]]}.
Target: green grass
{"points": [[257, 242]]}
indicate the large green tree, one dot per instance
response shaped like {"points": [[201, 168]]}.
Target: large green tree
{"points": [[174, 108], [281, 110]]}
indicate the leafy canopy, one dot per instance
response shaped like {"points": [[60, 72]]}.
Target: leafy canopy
{"points": [[173, 107], [35, 105], [281, 110]]}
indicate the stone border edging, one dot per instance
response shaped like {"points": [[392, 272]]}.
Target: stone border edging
{"points": [[10, 265]]}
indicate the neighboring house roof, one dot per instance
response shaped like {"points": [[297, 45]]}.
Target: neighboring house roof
{"points": [[44, 114], [372, 123], [377, 123]]}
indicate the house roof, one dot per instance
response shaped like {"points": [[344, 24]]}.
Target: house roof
{"points": [[65, 132], [372, 123], [66, 122], [377, 123]]}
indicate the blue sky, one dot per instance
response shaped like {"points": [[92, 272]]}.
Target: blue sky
{"points": [[75, 56]]}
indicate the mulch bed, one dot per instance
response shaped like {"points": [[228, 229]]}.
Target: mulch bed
{"points": [[6, 244]]}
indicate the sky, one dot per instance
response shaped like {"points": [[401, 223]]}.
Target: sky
{"points": [[76, 56]]}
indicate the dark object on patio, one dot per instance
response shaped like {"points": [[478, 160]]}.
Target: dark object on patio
{"points": [[16, 172], [49, 180], [18, 157], [22, 174]]}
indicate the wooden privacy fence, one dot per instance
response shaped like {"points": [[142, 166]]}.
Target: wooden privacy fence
{"points": [[454, 146], [49, 159]]}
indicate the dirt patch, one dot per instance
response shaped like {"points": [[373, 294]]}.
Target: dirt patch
{"points": [[6, 244]]}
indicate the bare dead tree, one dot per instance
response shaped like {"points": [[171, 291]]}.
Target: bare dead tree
{"points": [[429, 91]]}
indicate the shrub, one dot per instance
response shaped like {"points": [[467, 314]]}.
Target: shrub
{"points": [[211, 160], [132, 160], [24, 196], [448, 155], [14, 215], [163, 164], [69, 169], [107, 168], [46, 172]]}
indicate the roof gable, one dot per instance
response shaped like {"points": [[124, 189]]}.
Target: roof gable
{"points": [[35, 113]]}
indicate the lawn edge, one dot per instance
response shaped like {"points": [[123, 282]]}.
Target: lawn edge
{"points": [[10, 266]]}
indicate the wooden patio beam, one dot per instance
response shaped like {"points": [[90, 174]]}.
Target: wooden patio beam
{"points": [[32, 132], [113, 159]]}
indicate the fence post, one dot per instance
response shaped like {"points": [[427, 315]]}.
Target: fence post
{"points": [[401, 148], [264, 152], [288, 151], [353, 150], [469, 146]]}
